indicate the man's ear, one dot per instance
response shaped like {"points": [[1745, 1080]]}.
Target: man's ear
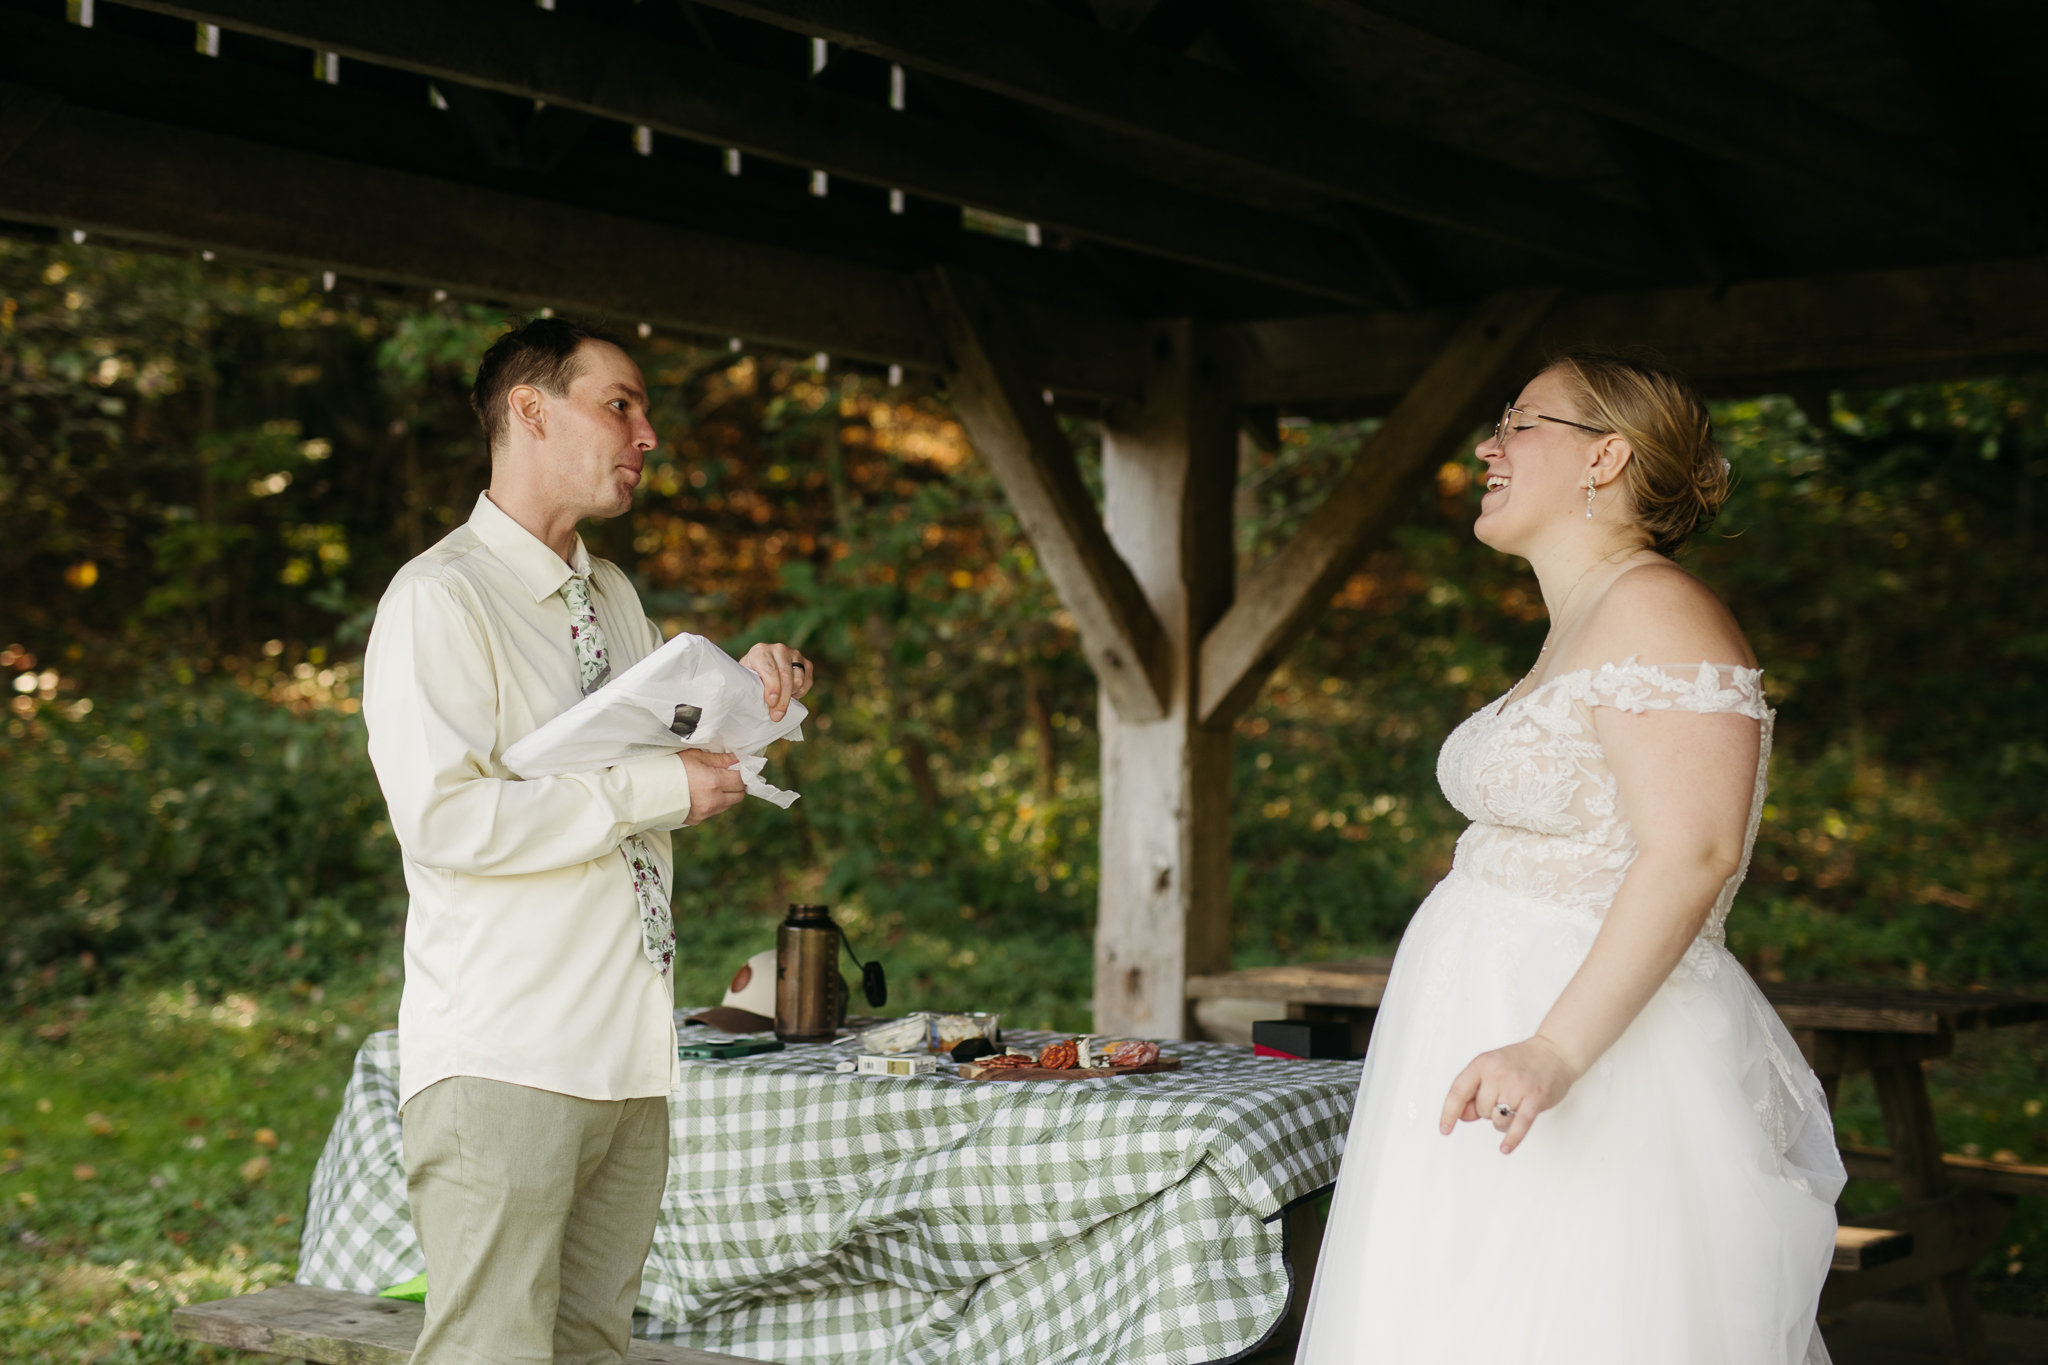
{"points": [[527, 407]]}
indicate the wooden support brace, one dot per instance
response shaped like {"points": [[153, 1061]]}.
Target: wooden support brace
{"points": [[1282, 600], [1014, 429]]}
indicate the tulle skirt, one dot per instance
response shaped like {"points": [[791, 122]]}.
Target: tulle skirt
{"points": [[1676, 1209]]}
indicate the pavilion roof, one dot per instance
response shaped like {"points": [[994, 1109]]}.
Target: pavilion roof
{"points": [[1337, 180]]}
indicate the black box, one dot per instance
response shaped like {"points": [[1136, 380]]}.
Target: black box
{"points": [[1303, 1039]]}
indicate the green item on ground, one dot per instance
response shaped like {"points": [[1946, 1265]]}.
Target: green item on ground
{"points": [[413, 1290], [730, 1048]]}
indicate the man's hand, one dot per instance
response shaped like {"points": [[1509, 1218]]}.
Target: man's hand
{"points": [[785, 675], [715, 783]]}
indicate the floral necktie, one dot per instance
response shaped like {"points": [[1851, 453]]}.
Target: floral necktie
{"points": [[657, 926]]}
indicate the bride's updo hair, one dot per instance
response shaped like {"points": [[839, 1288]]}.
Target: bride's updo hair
{"points": [[1677, 480]]}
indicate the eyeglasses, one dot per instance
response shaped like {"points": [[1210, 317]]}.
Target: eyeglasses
{"points": [[1506, 427]]}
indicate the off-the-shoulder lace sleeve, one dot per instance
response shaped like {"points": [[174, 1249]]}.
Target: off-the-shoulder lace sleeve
{"points": [[1709, 689]]}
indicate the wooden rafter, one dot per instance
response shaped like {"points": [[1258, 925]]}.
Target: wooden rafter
{"points": [[1096, 351], [1265, 135], [105, 173], [687, 92], [1765, 336], [1276, 605], [1015, 431], [1605, 65]]}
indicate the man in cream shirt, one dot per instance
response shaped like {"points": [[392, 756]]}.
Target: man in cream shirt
{"points": [[536, 1042]]}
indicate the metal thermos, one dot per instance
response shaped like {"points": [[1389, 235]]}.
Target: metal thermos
{"points": [[810, 995]]}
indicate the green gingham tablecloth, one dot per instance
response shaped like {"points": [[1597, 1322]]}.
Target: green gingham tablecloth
{"points": [[855, 1220]]}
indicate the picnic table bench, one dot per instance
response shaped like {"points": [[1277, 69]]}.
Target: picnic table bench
{"points": [[1952, 1208], [334, 1327]]}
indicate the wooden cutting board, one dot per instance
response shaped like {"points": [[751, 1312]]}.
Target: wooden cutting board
{"points": [[972, 1072]]}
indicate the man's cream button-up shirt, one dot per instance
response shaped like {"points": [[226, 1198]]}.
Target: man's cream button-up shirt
{"points": [[523, 951]]}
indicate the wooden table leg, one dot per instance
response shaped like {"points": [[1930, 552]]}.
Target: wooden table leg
{"points": [[1916, 1156]]}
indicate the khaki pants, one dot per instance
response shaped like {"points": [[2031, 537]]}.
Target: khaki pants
{"points": [[535, 1211]]}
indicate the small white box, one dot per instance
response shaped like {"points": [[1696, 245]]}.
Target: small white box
{"points": [[902, 1064]]}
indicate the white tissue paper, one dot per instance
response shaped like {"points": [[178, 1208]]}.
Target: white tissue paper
{"points": [[689, 694]]}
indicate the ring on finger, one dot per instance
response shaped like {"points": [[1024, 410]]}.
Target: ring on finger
{"points": [[1504, 1111]]}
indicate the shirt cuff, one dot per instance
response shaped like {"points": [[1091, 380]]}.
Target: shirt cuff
{"points": [[657, 792]]}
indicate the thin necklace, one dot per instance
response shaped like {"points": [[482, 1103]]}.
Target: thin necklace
{"points": [[1544, 652]]}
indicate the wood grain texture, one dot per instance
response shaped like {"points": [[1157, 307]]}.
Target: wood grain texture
{"points": [[1950, 1235], [1879, 1010], [1962, 1172], [1017, 435], [157, 184], [1954, 1236], [1363, 982], [684, 91], [1869, 1248], [1248, 134], [336, 1328], [1663, 86], [1850, 329], [1163, 911], [1280, 601]]}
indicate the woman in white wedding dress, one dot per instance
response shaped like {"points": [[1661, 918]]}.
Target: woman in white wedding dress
{"points": [[1582, 1136]]}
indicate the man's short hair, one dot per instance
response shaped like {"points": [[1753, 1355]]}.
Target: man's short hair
{"points": [[541, 352]]}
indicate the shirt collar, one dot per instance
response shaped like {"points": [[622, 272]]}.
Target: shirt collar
{"points": [[539, 570]]}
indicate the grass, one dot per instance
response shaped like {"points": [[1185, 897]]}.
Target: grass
{"points": [[157, 1149], [158, 1144]]}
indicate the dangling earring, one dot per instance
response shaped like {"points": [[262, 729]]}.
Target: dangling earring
{"points": [[1589, 495]]}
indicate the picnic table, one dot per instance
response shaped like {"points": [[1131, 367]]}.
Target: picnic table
{"points": [[1953, 1207], [818, 1216]]}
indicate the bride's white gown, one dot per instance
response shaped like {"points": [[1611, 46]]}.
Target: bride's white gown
{"points": [[1678, 1207]]}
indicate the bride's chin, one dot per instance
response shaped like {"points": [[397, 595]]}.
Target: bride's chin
{"points": [[1490, 531]]}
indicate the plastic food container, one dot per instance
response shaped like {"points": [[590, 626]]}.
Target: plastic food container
{"points": [[948, 1031], [911, 1033]]}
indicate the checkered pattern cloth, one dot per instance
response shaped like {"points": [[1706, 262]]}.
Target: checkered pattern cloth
{"points": [[856, 1220]]}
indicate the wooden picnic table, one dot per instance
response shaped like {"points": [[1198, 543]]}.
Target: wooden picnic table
{"points": [[1952, 1208]]}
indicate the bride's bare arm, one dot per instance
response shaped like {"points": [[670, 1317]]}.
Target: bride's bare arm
{"points": [[1684, 782]]}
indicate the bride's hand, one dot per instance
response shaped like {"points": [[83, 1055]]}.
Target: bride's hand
{"points": [[1525, 1078]]}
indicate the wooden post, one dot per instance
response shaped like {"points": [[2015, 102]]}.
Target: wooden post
{"points": [[1169, 469]]}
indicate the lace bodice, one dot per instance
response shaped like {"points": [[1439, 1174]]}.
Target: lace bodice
{"points": [[1547, 819]]}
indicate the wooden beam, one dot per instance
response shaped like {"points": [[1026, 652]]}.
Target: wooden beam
{"points": [[1601, 63], [687, 92], [166, 186], [1087, 73], [1083, 347], [72, 168], [1867, 328], [1279, 602], [1015, 431]]}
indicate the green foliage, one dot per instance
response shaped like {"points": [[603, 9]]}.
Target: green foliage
{"points": [[193, 829], [209, 458], [155, 1149]]}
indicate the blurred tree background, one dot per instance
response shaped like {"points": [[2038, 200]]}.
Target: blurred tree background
{"points": [[208, 473]]}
